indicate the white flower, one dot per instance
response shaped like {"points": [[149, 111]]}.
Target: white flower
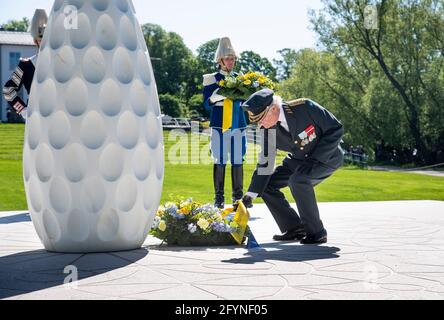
{"points": [[156, 222], [256, 84], [192, 228]]}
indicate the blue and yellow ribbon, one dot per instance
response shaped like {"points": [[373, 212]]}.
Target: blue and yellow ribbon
{"points": [[241, 217]]}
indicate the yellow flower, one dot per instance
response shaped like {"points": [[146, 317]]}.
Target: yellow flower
{"points": [[161, 211], [162, 225], [184, 211], [222, 83], [226, 212], [247, 82], [203, 224]]}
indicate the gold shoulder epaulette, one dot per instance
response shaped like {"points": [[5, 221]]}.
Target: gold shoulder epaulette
{"points": [[297, 102]]}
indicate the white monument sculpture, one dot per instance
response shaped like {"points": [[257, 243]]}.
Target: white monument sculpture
{"points": [[93, 154]]}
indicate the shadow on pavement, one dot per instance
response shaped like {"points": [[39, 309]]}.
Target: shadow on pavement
{"points": [[286, 252], [23, 217], [33, 271], [278, 251]]}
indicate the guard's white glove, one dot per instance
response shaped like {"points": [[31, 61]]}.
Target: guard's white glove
{"points": [[216, 97], [24, 113]]}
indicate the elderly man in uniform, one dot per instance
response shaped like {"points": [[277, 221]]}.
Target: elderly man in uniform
{"points": [[312, 136], [24, 72]]}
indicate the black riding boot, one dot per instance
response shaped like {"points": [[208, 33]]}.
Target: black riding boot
{"points": [[219, 185], [237, 181]]}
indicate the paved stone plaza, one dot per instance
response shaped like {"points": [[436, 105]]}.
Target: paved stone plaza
{"points": [[376, 250]]}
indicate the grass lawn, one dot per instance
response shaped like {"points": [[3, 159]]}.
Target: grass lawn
{"points": [[195, 180]]}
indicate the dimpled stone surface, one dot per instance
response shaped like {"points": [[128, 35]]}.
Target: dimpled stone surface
{"points": [[64, 64], [139, 98], [106, 32], [128, 130], [44, 163], [110, 98], [94, 65], [76, 97], [45, 63], [59, 131], [48, 98], [93, 155], [81, 36]]}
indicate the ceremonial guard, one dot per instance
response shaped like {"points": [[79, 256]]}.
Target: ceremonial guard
{"points": [[228, 125], [24, 72], [312, 135]]}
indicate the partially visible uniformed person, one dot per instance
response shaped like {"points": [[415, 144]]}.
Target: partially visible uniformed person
{"points": [[228, 125], [312, 135], [24, 72]]}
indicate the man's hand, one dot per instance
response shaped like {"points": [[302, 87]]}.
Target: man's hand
{"points": [[247, 201]]}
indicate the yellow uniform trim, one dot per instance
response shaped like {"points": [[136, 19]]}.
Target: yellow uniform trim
{"points": [[297, 102], [227, 121]]}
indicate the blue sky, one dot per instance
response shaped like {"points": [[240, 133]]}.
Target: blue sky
{"points": [[263, 26]]}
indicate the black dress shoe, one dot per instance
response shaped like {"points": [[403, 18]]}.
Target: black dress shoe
{"points": [[318, 238], [291, 235], [219, 204]]}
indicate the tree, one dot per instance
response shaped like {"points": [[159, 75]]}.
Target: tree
{"points": [[251, 61], [405, 49], [286, 63], [174, 64], [205, 56], [319, 76], [16, 25], [195, 106], [171, 105]]}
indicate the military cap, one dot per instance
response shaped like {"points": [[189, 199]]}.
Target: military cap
{"points": [[257, 105]]}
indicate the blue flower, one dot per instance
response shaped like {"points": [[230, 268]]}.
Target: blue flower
{"points": [[208, 209], [172, 210], [220, 227]]}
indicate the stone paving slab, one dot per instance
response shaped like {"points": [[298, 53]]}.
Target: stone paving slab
{"points": [[376, 250]]}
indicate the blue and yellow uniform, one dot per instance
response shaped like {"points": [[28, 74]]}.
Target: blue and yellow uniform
{"points": [[228, 126], [227, 121]]}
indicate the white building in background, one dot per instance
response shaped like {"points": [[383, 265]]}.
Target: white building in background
{"points": [[13, 45]]}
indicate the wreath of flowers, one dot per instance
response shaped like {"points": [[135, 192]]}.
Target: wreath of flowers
{"points": [[243, 86], [190, 223]]}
